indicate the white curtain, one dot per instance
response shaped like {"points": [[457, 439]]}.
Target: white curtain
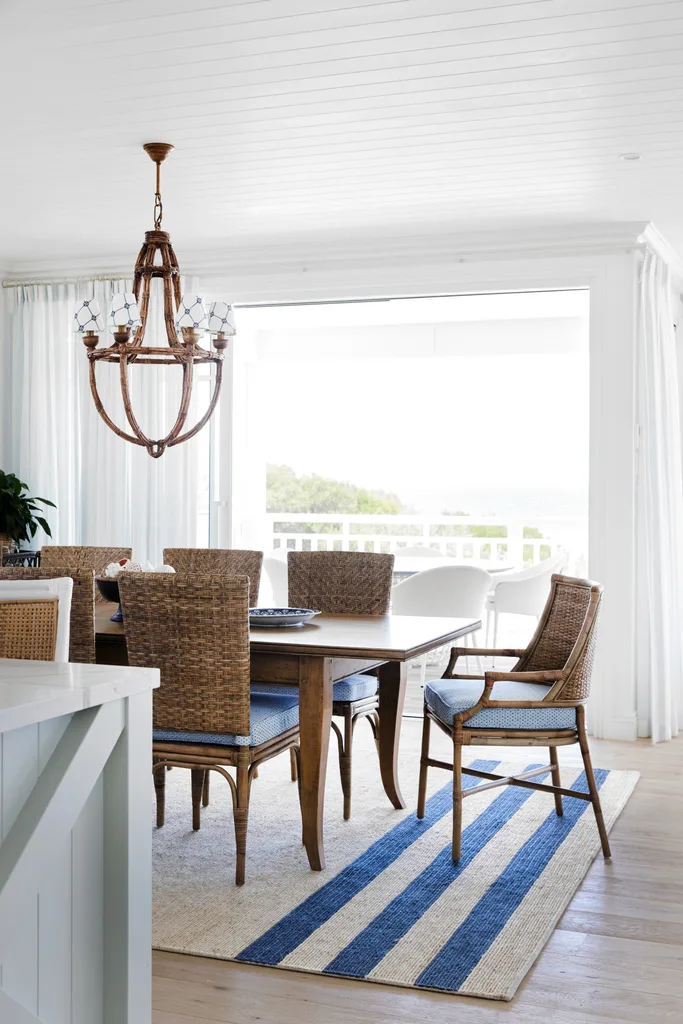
{"points": [[659, 508], [107, 491]]}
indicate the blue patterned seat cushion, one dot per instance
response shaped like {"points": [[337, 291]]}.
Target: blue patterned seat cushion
{"points": [[355, 688], [271, 715], [351, 688], [447, 697]]}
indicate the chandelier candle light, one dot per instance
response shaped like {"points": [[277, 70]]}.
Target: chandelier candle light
{"points": [[185, 319]]}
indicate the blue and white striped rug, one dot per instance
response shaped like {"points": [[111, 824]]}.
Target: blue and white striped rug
{"points": [[391, 906]]}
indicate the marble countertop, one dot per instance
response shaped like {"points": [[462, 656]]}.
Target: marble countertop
{"points": [[35, 691]]}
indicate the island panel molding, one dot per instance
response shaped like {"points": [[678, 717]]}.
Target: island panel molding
{"points": [[75, 844]]}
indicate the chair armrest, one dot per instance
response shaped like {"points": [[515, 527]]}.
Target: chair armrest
{"points": [[489, 652], [478, 652], [544, 676]]}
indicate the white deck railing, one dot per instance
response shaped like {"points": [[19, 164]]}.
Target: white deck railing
{"points": [[503, 540]]}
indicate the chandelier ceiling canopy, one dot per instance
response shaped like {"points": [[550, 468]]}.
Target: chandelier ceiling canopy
{"points": [[186, 319]]}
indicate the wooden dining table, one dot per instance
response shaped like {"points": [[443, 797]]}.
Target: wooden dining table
{"points": [[313, 657]]}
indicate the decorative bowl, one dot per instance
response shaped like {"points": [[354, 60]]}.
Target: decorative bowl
{"points": [[272, 617], [109, 589]]}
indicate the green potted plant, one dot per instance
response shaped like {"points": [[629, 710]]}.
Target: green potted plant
{"points": [[19, 517]]}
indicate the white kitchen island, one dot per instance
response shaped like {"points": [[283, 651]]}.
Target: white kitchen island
{"points": [[75, 843]]}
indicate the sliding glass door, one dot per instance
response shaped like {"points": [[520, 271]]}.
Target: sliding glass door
{"points": [[458, 423]]}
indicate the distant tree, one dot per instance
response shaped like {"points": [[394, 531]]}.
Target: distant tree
{"points": [[529, 532], [287, 492], [465, 530]]}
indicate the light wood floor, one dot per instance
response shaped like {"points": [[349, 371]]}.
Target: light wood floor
{"points": [[617, 954]]}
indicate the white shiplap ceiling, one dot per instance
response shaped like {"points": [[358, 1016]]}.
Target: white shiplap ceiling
{"points": [[333, 121]]}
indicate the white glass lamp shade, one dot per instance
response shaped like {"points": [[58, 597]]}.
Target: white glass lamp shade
{"points": [[221, 318], [124, 311], [88, 317], [191, 313]]}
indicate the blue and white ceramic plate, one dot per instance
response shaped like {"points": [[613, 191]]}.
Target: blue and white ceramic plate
{"points": [[280, 616]]}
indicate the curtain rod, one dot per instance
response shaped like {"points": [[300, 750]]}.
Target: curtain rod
{"points": [[9, 283]]}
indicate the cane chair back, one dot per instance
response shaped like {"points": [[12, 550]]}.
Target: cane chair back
{"points": [[28, 628], [37, 590], [219, 562], [82, 618], [81, 557], [195, 629], [565, 636], [340, 582]]}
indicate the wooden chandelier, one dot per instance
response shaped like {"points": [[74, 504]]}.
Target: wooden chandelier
{"points": [[157, 259]]}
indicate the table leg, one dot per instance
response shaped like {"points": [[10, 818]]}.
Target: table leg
{"points": [[392, 692], [315, 714]]}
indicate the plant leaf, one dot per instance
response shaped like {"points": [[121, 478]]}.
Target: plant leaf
{"points": [[44, 525]]}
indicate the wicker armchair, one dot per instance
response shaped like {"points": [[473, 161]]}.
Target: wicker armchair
{"points": [[28, 628], [195, 629], [82, 619], [540, 702], [219, 561], [344, 583]]}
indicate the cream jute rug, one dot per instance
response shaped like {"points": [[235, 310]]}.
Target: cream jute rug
{"points": [[390, 907]]}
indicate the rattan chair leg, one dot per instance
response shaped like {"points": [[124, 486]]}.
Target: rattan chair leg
{"points": [[293, 765], [424, 767], [241, 819], [198, 779], [295, 755], [345, 761], [205, 791], [457, 798], [159, 775], [373, 719], [590, 777], [556, 779]]}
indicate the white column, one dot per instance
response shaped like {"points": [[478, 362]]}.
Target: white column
{"points": [[611, 557]]}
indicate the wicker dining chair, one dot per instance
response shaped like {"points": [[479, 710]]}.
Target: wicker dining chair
{"points": [[28, 628], [195, 629], [224, 562], [540, 702], [344, 583], [82, 619], [219, 561], [78, 556]]}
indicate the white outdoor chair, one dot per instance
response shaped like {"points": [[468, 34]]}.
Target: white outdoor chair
{"points": [[520, 592], [456, 591], [23, 590], [275, 572], [418, 551]]}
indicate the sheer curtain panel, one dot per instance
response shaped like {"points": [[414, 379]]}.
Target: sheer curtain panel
{"points": [[659, 508], [107, 491]]}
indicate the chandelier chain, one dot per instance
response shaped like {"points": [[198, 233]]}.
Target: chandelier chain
{"points": [[158, 206]]}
